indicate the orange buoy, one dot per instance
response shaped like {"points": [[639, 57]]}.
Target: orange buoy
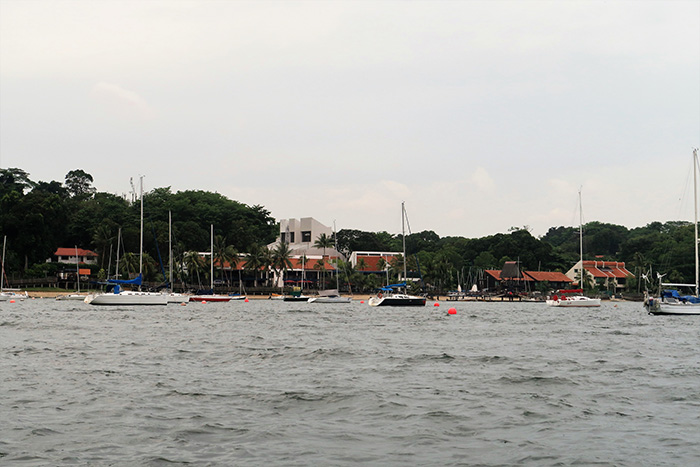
{"points": [[246, 300], [204, 301], [183, 304], [12, 301], [452, 311]]}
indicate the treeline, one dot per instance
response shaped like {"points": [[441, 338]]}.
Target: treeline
{"points": [[38, 217]]}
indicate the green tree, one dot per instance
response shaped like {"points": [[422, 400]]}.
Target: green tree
{"points": [[79, 184]]}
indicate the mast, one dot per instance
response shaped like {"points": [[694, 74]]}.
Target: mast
{"points": [[695, 198], [170, 248], [211, 265], [119, 238], [2, 273], [77, 268], [580, 234], [403, 237], [141, 240], [335, 245]]}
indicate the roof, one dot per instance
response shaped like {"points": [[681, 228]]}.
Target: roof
{"points": [[542, 276], [605, 269], [71, 252], [372, 262], [496, 274], [537, 276]]}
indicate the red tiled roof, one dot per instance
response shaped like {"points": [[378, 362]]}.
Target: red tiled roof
{"points": [[541, 276], [372, 262], [71, 252], [496, 274], [602, 269]]}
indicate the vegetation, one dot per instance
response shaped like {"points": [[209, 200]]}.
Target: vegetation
{"points": [[38, 217]]}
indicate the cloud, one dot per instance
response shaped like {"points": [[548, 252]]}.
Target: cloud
{"points": [[122, 103], [482, 180]]}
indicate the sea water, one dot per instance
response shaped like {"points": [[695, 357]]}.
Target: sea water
{"points": [[271, 383]]}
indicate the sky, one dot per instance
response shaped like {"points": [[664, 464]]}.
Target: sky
{"points": [[480, 115]]}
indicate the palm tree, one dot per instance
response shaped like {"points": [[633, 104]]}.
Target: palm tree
{"points": [[129, 263], [101, 238], [194, 263], [223, 253], [324, 241], [258, 258], [321, 266], [281, 258]]}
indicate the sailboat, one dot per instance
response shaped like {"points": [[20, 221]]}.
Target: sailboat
{"points": [[129, 297], [172, 297], [331, 295], [8, 294], [670, 302], [577, 300], [211, 297], [390, 295], [77, 295]]}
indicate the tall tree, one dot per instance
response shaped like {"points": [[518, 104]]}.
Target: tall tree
{"points": [[79, 184]]}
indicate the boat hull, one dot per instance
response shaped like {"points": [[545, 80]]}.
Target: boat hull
{"points": [[330, 300], [301, 298], [210, 298], [575, 302], [127, 298], [397, 300]]}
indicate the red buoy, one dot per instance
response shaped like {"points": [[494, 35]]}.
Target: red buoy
{"points": [[246, 300], [362, 301], [452, 311], [12, 301], [436, 304]]}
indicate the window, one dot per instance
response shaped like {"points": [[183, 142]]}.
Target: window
{"points": [[306, 236]]}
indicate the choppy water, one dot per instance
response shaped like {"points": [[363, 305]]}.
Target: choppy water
{"points": [[274, 383]]}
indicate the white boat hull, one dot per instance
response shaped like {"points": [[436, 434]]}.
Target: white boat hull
{"points": [[330, 299], [657, 306], [72, 296], [575, 302], [210, 298], [127, 298]]}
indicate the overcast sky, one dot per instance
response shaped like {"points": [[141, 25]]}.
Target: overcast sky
{"points": [[481, 116]]}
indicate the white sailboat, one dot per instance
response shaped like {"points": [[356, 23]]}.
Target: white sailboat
{"points": [[8, 294], [331, 295], [670, 302], [77, 295], [129, 297], [389, 295], [172, 297], [578, 300], [212, 297]]}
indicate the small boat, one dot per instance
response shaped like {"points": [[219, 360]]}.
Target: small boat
{"points": [[578, 300], [296, 295], [572, 301], [7, 294], [211, 296], [390, 298], [237, 296], [390, 295], [671, 302], [72, 296], [115, 296], [329, 296], [127, 298]]}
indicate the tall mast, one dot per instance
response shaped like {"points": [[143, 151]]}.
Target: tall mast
{"points": [[403, 237], [141, 241], [211, 266], [170, 247], [580, 235], [2, 273], [335, 245], [695, 197]]}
